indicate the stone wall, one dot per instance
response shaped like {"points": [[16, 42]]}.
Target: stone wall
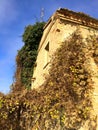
{"points": [[56, 32]]}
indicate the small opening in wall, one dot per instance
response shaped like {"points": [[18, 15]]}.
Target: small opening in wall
{"points": [[46, 54], [58, 30], [47, 47]]}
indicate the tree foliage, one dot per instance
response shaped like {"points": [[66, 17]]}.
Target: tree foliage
{"points": [[27, 55]]}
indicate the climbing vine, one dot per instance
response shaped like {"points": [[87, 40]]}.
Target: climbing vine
{"points": [[64, 101], [26, 56]]}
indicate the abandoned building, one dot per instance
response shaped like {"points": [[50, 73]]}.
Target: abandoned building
{"points": [[59, 27]]}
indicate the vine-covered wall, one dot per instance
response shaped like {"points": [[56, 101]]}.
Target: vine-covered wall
{"points": [[65, 100]]}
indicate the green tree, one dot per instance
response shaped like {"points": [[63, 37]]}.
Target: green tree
{"points": [[27, 55]]}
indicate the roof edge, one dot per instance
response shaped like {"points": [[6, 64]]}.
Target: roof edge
{"points": [[78, 17]]}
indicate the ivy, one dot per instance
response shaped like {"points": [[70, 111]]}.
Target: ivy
{"points": [[64, 101], [26, 56]]}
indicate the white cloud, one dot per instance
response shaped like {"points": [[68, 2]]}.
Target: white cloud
{"points": [[8, 11]]}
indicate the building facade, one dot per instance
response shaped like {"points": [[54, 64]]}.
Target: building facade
{"points": [[60, 26]]}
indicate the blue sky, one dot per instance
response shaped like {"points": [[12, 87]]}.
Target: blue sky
{"points": [[15, 15]]}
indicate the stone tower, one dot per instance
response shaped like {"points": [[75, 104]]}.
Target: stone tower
{"points": [[60, 26]]}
